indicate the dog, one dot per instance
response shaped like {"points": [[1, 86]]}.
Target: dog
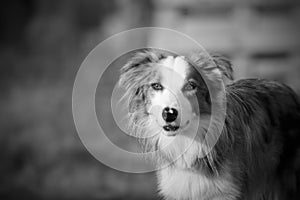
{"points": [[252, 155]]}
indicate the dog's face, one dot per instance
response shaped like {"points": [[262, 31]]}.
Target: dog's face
{"points": [[169, 104], [172, 96]]}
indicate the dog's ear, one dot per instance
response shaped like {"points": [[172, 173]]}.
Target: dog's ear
{"points": [[216, 72], [136, 75], [225, 67]]}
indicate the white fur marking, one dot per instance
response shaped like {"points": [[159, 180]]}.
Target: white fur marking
{"points": [[174, 72], [187, 185], [180, 66]]}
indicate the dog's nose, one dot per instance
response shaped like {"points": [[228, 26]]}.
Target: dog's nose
{"points": [[169, 114]]}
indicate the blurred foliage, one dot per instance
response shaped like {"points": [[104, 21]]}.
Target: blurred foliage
{"points": [[43, 43]]}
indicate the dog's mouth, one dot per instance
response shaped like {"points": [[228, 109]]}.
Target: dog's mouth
{"points": [[170, 127], [173, 127]]}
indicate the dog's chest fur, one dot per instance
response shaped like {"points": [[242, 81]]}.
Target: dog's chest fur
{"points": [[188, 185]]}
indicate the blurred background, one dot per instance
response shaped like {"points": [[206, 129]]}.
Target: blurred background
{"points": [[42, 44]]}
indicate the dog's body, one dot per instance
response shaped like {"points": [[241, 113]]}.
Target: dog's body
{"points": [[256, 156], [262, 163]]}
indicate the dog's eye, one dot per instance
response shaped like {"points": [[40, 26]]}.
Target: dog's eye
{"points": [[190, 86], [157, 86]]}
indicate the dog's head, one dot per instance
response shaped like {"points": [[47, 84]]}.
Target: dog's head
{"points": [[169, 96]]}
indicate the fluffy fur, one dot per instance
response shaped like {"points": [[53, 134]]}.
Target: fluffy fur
{"points": [[257, 154]]}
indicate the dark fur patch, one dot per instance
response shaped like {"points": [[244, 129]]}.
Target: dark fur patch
{"points": [[263, 117]]}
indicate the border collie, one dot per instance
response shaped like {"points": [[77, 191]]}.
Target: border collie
{"points": [[175, 109]]}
